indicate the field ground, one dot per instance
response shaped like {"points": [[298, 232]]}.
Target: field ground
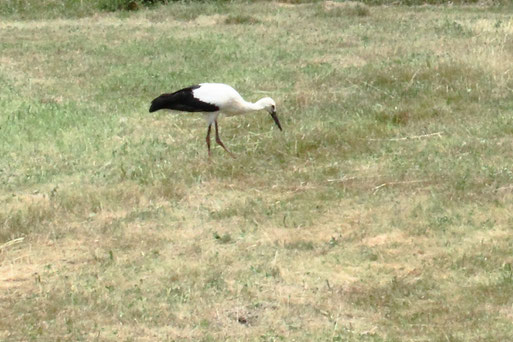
{"points": [[383, 212]]}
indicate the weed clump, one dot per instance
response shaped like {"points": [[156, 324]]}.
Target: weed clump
{"points": [[130, 5], [223, 239], [344, 9], [241, 19]]}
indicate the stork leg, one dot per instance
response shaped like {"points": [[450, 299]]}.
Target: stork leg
{"points": [[208, 138], [218, 140]]}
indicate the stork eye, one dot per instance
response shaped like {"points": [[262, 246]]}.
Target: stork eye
{"points": [[273, 107]]}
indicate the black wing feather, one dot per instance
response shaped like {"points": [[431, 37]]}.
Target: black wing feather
{"points": [[183, 100]]}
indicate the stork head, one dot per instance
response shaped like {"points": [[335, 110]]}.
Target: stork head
{"points": [[269, 105]]}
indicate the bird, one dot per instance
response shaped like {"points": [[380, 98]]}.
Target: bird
{"points": [[213, 99]]}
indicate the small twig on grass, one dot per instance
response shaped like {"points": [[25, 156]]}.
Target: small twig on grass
{"points": [[378, 89], [328, 284], [347, 179], [412, 79], [437, 134], [377, 188], [343, 179], [367, 84], [12, 242], [504, 188]]}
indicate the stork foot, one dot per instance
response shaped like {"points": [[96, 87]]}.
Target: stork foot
{"points": [[219, 142]]}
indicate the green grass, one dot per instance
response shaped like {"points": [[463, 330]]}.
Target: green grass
{"points": [[34, 9], [39, 9], [382, 212]]}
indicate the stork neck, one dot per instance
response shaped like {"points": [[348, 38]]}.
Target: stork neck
{"points": [[253, 106]]}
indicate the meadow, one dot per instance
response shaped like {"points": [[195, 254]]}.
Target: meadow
{"points": [[382, 212]]}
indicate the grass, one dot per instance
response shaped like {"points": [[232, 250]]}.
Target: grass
{"points": [[382, 212], [33, 9]]}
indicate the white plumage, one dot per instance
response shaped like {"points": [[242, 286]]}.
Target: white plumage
{"points": [[213, 99]]}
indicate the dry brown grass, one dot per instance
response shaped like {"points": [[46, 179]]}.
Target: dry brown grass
{"points": [[382, 213]]}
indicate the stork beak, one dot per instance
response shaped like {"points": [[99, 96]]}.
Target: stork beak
{"points": [[275, 118]]}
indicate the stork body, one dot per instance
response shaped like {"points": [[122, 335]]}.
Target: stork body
{"points": [[212, 99]]}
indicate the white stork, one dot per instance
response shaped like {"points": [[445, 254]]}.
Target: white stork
{"points": [[213, 99]]}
